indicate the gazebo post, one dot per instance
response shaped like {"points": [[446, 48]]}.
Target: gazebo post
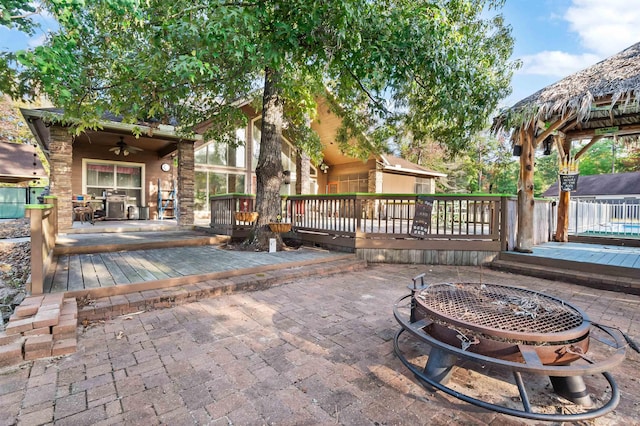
{"points": [[524, 239], [564, 197]]}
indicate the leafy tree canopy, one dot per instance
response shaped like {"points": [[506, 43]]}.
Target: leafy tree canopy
{"points": [[433, 69]]}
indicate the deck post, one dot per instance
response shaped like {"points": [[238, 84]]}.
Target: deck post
{"points": [[564, 198], [524, 239]]}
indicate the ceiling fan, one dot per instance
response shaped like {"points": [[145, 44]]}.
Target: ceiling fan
{"points": [[122, 148]]}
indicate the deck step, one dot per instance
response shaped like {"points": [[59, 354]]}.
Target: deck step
{"points": [[574, 264], [105, 243], [104, 308], [560, 271]]}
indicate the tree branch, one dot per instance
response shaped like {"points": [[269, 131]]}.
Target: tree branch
{"points": [[26, 15], [366, 91]]}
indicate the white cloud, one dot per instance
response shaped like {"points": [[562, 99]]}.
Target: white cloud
{"points": [[556, 63], [605, 27], [37, 40]]}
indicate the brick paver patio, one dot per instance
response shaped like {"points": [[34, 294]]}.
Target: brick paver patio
{"points": [[316, 351]]}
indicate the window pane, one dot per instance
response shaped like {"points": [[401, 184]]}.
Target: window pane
{"points": [[200, 156], [255, 143], [100, 175], [217, 183], [236, 183], [128, 177], [217, 154], [236, 155], [200, 184]]}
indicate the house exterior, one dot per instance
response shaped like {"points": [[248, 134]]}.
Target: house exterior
{"points": [[611, 188], [93, 165], [223, 169], [150, 171]]}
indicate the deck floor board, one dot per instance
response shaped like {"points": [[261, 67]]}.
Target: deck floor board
{"points": [[75, 272]]}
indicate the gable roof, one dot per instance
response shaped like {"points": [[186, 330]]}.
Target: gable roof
{"points": [[16, 163], [617, 184], [393, 164]]}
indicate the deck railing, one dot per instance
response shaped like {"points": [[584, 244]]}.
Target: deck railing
{"points": [[466, 222], [44, 231]]}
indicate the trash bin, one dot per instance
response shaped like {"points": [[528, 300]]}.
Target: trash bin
{"points": [[132, 213], [143, 213]]}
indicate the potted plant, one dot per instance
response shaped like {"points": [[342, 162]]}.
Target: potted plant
{"points": [[244, 215], [278, 226]]}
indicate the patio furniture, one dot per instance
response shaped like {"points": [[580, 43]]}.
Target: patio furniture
{"points": [[83, 208]]}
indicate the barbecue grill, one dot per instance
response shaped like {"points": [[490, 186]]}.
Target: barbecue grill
{"points": [[513, 329]]}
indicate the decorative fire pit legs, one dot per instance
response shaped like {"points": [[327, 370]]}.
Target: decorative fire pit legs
{"points": [[510, 329]]}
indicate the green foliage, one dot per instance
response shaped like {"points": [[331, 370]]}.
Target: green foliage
{"points": [[600, 158], [546, 172], [430, 69]]}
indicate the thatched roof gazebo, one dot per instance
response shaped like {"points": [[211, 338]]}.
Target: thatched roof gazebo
{"points": [[600, 101]]}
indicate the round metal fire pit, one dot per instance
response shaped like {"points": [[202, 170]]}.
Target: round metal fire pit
{"points": [[498, 320], [512, 329]]}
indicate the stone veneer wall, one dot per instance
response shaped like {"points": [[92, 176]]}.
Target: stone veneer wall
{"points": [[186, 178], [60, 160]]}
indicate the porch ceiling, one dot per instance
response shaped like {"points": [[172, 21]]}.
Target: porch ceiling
{"points": [[161, 139], [162, 147]]}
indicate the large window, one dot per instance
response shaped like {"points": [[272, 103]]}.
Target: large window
{"points": [[354, 182], [105, 176], [208, 183], [221, 154]]}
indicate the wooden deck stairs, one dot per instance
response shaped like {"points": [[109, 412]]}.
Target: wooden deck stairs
{"points": [[614, 277]]}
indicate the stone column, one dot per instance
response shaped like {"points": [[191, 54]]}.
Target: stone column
{"points": [[60, 160], [186, 179]]}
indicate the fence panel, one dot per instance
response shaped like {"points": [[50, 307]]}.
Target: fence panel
{"points": [[604, 218]]}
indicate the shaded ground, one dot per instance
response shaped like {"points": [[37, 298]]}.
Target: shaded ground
{"points": [[15, 266]]}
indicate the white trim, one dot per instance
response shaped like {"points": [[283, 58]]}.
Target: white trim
{"points": [[143, 182]]}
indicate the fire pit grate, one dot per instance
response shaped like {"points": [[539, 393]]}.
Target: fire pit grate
{"points": [[511, 329], [502, 311]]}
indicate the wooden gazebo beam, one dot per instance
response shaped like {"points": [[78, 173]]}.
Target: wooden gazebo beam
{"points": [[552, 128]]}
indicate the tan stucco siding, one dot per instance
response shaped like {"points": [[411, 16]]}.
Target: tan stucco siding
{"points": [[398, 184]]}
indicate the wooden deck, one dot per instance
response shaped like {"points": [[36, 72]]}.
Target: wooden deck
{"points": [[596, 265], [105, 264]]}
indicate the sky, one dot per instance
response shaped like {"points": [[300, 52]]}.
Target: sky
{"points": [[553, 38]]}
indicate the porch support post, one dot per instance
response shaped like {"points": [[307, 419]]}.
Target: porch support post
{"points": [[303, 173], [524, 239], [303, 169], [60, 160], [186, 179], [564, 197]]}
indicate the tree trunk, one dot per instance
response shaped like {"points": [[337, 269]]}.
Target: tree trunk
{"points": [[524, 240], [269, 167], [562, 225]]}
